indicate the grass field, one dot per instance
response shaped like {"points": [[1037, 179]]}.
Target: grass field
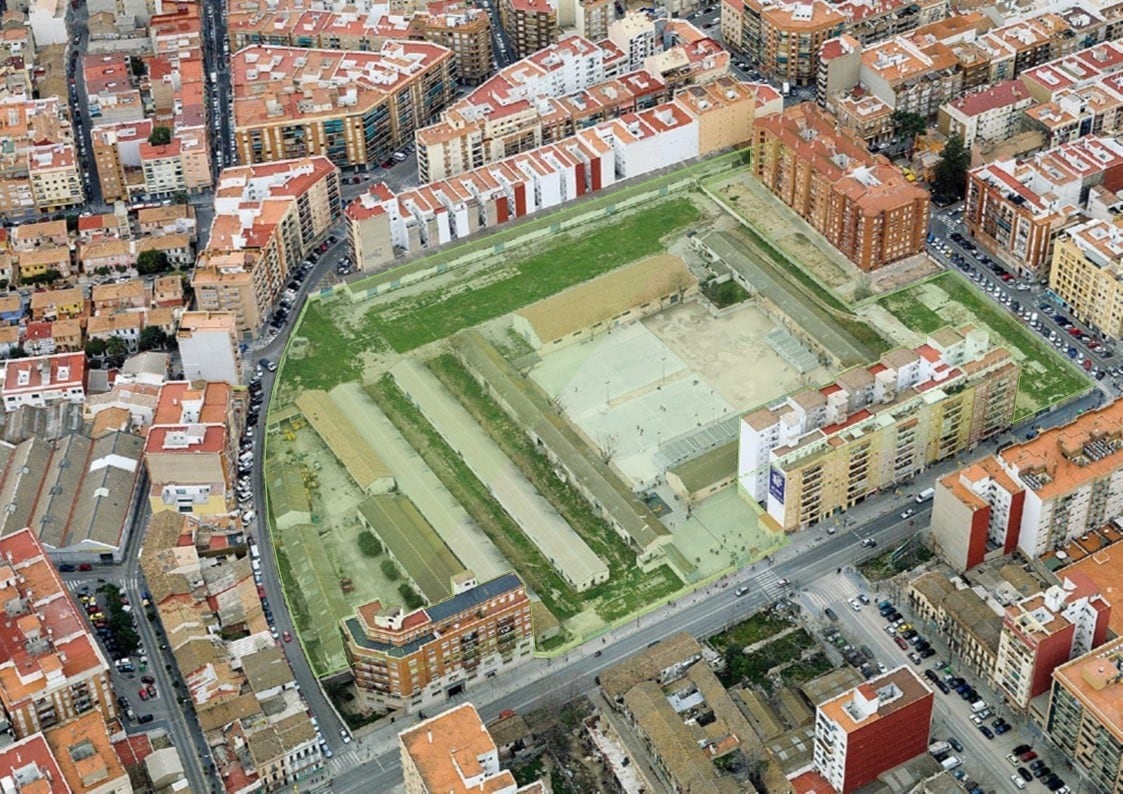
{"points": [[567, 260], [335, 346], [1046, 377], [628, 587]]}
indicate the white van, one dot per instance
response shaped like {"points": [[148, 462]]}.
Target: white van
{"points": [[978, 705], [256, 565], [925, 495], [951, 762]]}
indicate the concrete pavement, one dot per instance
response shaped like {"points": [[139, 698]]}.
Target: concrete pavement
{"points": [[416, 481]]}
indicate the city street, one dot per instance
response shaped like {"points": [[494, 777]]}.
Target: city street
{"points": [[1031, 303], [984, 759]]}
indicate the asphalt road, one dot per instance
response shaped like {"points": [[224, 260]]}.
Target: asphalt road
{"points": [[1031, 296], [552, 682], [984, 759]]}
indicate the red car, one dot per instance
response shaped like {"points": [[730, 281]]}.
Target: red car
{"points": [[901, 643], [286, 637], [85, 567], [143, 693]]}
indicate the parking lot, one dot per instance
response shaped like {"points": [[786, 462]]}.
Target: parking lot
{"points": [[967, 715], [113, 620], [1027, 299]]}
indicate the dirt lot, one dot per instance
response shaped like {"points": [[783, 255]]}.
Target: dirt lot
{"points": [[810, 249]]}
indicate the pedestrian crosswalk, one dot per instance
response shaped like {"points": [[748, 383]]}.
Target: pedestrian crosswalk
{"points": [[772, 585], [130, 584]]}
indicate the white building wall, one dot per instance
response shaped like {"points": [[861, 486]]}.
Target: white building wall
{"points": [[45, 26], [209, 355]]}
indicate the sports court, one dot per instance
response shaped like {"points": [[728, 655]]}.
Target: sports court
{"points": [[675, 381]]}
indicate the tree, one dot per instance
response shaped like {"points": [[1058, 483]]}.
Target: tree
{"points": [[949, 181], [152, 337], [137, 66], [95, 348], [161, 136], [908, 125], [181, 197], [150, 262], [369, 544], [115, 351], [46, 277]]}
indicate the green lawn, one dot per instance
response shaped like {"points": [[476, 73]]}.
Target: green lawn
{"points": [[333, 355], [564, 261], [335, 350], [760, 626], [1046, 377]]}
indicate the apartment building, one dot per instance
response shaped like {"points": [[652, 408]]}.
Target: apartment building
{"points": [[1084, 719], [872, 728], [871, 22], [453, 753], [191, 449], [404, 660], [44, 380], [823, 450], [1087, 273], [37, 164], [208, 345], [993, 114], [86, 757], [352, 107], [52, 670], [860, 202], [782, 38], [559, 90], [267, 218], [530, 24], [116, 157], [970, 627], [461, 27], [1069, 474], [56, 180], [912, 74], [38, 768], [1016, 209], [700, 120], [1045, 630], [976, 514], [511, 112]]}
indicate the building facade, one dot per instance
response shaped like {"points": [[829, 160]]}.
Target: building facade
{"points": [[824, 450], [1045, 630], [1084, 720], [1015, 210], [267, 219], [403, 660], [370, 103], [861, 203], [208, 346], [1087, 274], [866, 731]]}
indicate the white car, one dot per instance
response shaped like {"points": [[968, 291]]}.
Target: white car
{"points": [[854, 604], [344, 735], [274, 633], [249, 515]]}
